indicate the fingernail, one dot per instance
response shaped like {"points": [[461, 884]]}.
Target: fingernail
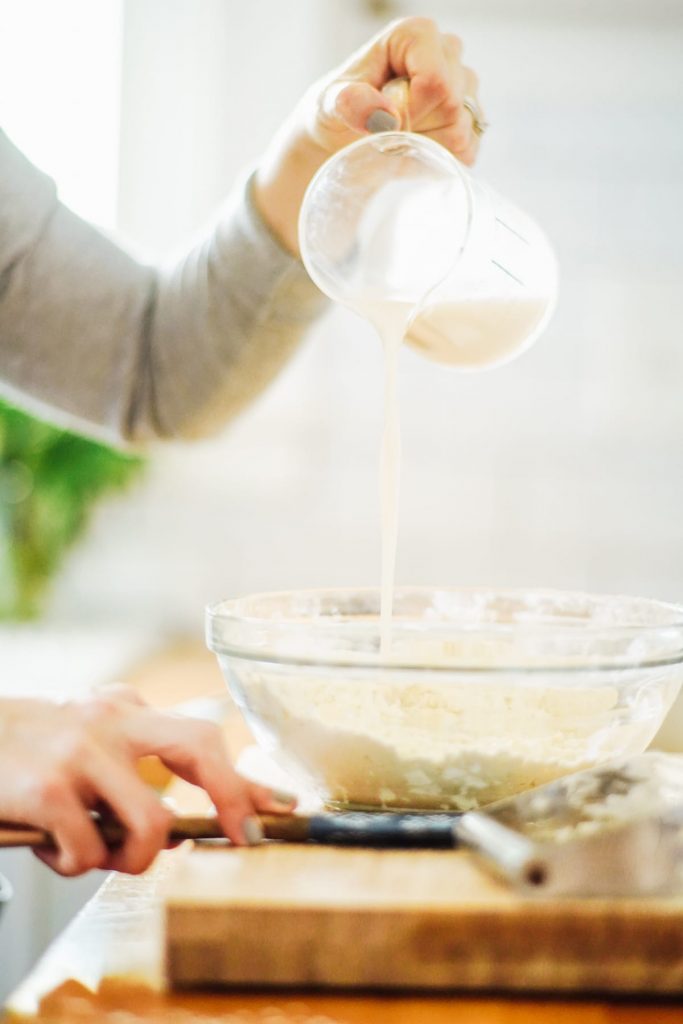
{"points": [[252, 831], [381, 121], [281, 797]]}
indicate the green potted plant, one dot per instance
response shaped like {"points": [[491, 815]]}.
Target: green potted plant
{"points": [[49, 481]]}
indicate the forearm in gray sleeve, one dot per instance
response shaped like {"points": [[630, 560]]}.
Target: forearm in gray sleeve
{"points": [[128, 351], [244, 303]]}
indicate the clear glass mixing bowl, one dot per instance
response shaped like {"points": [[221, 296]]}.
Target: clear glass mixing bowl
{"points": [[486, 693]]}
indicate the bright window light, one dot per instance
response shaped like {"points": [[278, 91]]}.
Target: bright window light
{"points": [[60, 76]]}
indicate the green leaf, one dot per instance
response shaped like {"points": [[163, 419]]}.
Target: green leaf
{"points": [[50, 480]]}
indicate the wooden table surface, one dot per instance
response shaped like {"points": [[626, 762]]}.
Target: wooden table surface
{"points": [[107, 966]]}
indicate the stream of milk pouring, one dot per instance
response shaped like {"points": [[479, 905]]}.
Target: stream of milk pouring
{"points": [[390, 319], [470, 334]]}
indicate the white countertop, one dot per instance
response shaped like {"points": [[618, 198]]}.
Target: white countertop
{"points": [[65, 660]]}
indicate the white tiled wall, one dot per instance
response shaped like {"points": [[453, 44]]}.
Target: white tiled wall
{"points": [[563, 468]]}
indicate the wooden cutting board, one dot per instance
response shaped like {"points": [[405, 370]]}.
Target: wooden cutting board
{"points": [[314, 916]]}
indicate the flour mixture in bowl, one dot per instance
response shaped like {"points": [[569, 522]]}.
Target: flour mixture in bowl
{"points": [[483, 694]]}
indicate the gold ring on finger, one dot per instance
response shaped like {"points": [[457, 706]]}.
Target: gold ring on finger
{"points": [[479, 125]]}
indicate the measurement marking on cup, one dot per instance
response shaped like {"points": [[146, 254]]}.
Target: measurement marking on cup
{"points": [[506, 271], [512, 231]]}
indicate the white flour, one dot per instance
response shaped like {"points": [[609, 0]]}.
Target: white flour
{"points": [[379, 742]]}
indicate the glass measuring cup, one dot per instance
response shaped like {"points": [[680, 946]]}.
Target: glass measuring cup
{"points": [[394, 224]]}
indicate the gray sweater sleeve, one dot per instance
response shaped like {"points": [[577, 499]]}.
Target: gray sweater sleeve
{"points": [[125, 350]]}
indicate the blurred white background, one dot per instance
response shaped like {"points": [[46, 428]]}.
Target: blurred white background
{"points": [[563, 469]]}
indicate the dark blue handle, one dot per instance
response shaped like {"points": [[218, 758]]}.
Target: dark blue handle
{"points": [[381, 829]]}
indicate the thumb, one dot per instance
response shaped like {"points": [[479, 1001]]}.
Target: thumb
{"points": [[360, 107]]}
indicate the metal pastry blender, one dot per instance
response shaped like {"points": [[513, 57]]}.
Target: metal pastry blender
{"points": [[614, 830]]}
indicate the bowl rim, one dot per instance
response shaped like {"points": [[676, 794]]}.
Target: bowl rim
{"points": [[224, 615]]}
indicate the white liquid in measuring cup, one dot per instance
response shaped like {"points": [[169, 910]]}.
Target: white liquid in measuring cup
{"points": [[471, 334], [476, 333]]}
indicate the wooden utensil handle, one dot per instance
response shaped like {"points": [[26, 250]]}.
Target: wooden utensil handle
{"points": [[12, 836], [113, 832], [371, 829], [289, 828]]}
